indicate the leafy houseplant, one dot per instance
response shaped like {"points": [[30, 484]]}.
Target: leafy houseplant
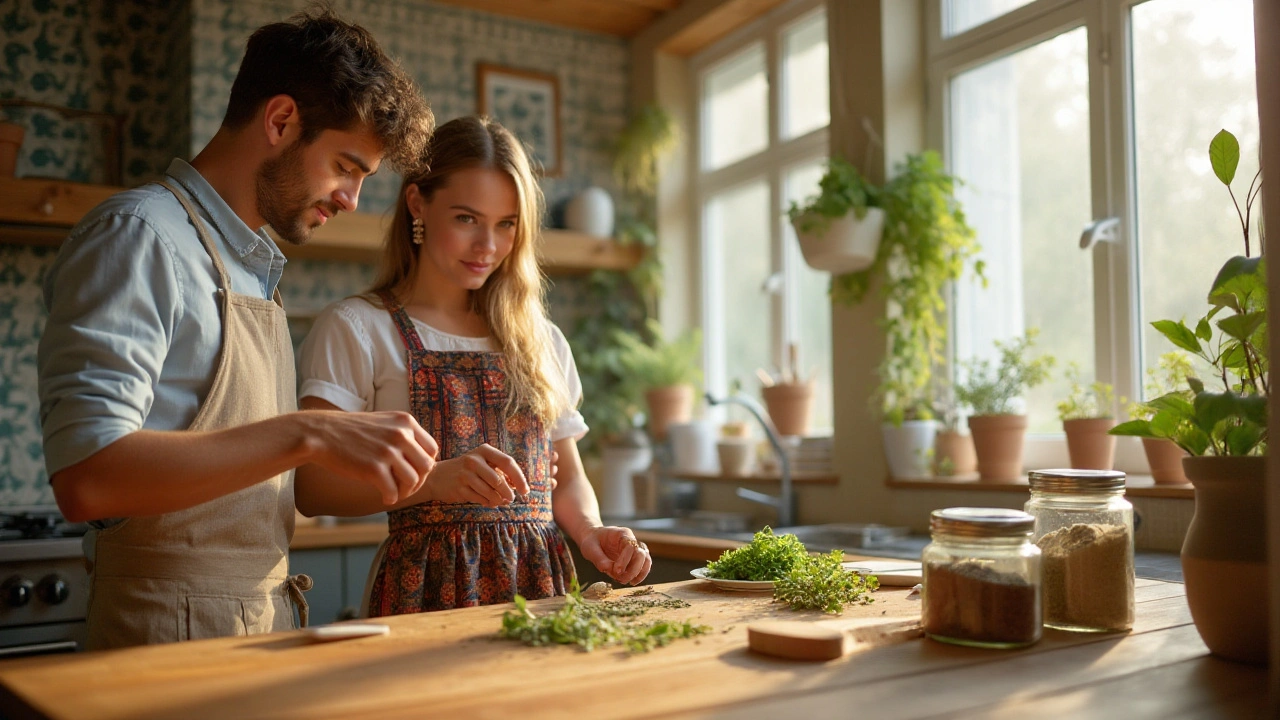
{"points": [[839, 229], [991, 391], [1224, 429], [1087, 414], [621, 301], [666, 374]]}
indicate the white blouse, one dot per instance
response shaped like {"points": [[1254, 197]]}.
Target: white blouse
{"points": [[355, 358]]}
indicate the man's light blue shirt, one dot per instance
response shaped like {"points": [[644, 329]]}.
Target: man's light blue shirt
{"points": [[134, 330]]}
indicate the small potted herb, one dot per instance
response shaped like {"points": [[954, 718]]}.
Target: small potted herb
{"points": [[1087, 415], [993, 392], [666, 374], [953, 453], [839, 229], [1164, 457]]}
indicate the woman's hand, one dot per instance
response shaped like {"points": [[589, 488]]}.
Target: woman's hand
{"points": [[616, 552], [486, 476]]}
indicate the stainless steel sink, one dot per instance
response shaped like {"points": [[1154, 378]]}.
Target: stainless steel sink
{"points": [[844, 536], [712, 524]]}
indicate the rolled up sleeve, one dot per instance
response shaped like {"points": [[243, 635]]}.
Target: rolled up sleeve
{"points": [[114, 296]]}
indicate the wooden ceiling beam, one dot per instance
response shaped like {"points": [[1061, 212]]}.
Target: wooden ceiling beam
{"points": [[623, 18], [719, 22]]}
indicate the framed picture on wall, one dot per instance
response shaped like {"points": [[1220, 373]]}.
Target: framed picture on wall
{"points": [[528, 104]]}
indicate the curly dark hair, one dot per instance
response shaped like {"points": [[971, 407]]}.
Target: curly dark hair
{"points": [[339, 77]]}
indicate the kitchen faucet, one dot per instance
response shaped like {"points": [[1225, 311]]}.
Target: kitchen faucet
{"points": [[783, 502]]}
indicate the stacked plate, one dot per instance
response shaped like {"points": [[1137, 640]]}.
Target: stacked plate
{"points": [[811, 455]]}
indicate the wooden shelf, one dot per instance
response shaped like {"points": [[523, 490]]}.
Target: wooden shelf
{"points": [[39, 212], [798, 478], [1135, 486]]}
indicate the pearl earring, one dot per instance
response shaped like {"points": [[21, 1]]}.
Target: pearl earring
{"points": [[419, 231]]}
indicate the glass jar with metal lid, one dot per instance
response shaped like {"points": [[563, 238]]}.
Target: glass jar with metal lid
{"points": [[1084, 528], [982, 578]]}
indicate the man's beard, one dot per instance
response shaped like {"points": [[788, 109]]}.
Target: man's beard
{"points": [[283, 196]]}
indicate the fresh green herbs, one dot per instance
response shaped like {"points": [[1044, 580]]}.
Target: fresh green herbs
{"points": [[766, 557], [590, 625], [821, 582]]}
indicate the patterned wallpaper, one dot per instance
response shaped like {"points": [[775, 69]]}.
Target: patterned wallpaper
{"points": [[130, 58], [169, 65]]}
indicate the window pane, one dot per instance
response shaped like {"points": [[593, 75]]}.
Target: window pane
{"points": [[805, 106], [736, 98], [1020, 142], [809, 305], [961, 15], [738, 254], [1193, 74]]}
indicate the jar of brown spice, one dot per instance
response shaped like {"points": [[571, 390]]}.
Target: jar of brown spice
{"points": [[982, 578], [1084, 528]]}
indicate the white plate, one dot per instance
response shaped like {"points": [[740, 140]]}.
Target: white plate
{"points": [[890, 573], [739, 585], [346, 631]]}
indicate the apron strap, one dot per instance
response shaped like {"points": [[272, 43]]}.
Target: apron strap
{"points": [[408, 333], [224, 280], [295, 585]]}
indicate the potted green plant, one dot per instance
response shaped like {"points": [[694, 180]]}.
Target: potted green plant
{"points": [[926, 244], [839, 229], [1223, 427], [666, 374], [953, 453], [992, 392], [1164, 457], [1087, 415]]}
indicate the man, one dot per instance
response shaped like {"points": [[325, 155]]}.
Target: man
{"points": [[166, 372]]}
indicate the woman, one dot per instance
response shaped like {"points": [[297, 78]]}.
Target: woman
{"points": [[455, 332]]}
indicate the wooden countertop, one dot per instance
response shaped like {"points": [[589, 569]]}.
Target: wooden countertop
{"points": [[448, 664]]}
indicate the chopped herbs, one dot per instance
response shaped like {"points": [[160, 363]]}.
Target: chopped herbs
{"points": [[590, 625], [766, 557], [820, 582]]}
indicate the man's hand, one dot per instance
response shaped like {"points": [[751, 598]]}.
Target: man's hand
{"points": [[388, 451]]}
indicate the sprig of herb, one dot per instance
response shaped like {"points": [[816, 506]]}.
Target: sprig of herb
{"points": [[766, 557], [590, 625], [822, 583]]}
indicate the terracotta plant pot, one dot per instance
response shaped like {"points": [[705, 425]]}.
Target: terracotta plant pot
{"points": [[997, 441], [667, 405], [10, 142], [1089, 445], [1224, 557], [789, 405], [953, 454], [1165, 459]]}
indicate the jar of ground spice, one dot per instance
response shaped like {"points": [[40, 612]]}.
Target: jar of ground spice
{"points": [[982, 578], [1084, 528]]}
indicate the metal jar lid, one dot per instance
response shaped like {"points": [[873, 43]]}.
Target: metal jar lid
{"points": [[1076, 481], [981, 522]]}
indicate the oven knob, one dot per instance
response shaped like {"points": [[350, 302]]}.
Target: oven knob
{"points": [[53, 590], [17, 591]]}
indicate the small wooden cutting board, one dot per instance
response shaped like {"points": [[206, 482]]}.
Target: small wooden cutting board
{"points": [[828, 639]]}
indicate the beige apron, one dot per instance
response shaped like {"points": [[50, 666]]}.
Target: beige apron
{"points": [[220, 568]]}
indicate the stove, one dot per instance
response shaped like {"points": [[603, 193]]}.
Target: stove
{"points": [[44, 583]]}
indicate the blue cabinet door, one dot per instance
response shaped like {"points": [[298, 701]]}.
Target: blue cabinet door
{"points": [[359, 562], [324, 565]]}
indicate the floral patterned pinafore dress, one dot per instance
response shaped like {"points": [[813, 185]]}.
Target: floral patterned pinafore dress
{"points": [[448, 555]]}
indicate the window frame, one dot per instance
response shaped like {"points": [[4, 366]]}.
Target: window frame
{"points": [[772, 165], [1113, 192]]}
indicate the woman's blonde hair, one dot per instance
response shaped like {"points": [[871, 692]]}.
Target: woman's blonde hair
{"points": [[512, 299]]}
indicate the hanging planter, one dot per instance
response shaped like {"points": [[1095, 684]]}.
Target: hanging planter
{"points": [[843, 245]]}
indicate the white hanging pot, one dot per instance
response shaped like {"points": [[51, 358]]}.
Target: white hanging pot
{"points": [[590, 212], [848, 244]]}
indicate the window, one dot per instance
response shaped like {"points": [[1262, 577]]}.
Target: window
{"points": [[763, 115], [1057, 113]]}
